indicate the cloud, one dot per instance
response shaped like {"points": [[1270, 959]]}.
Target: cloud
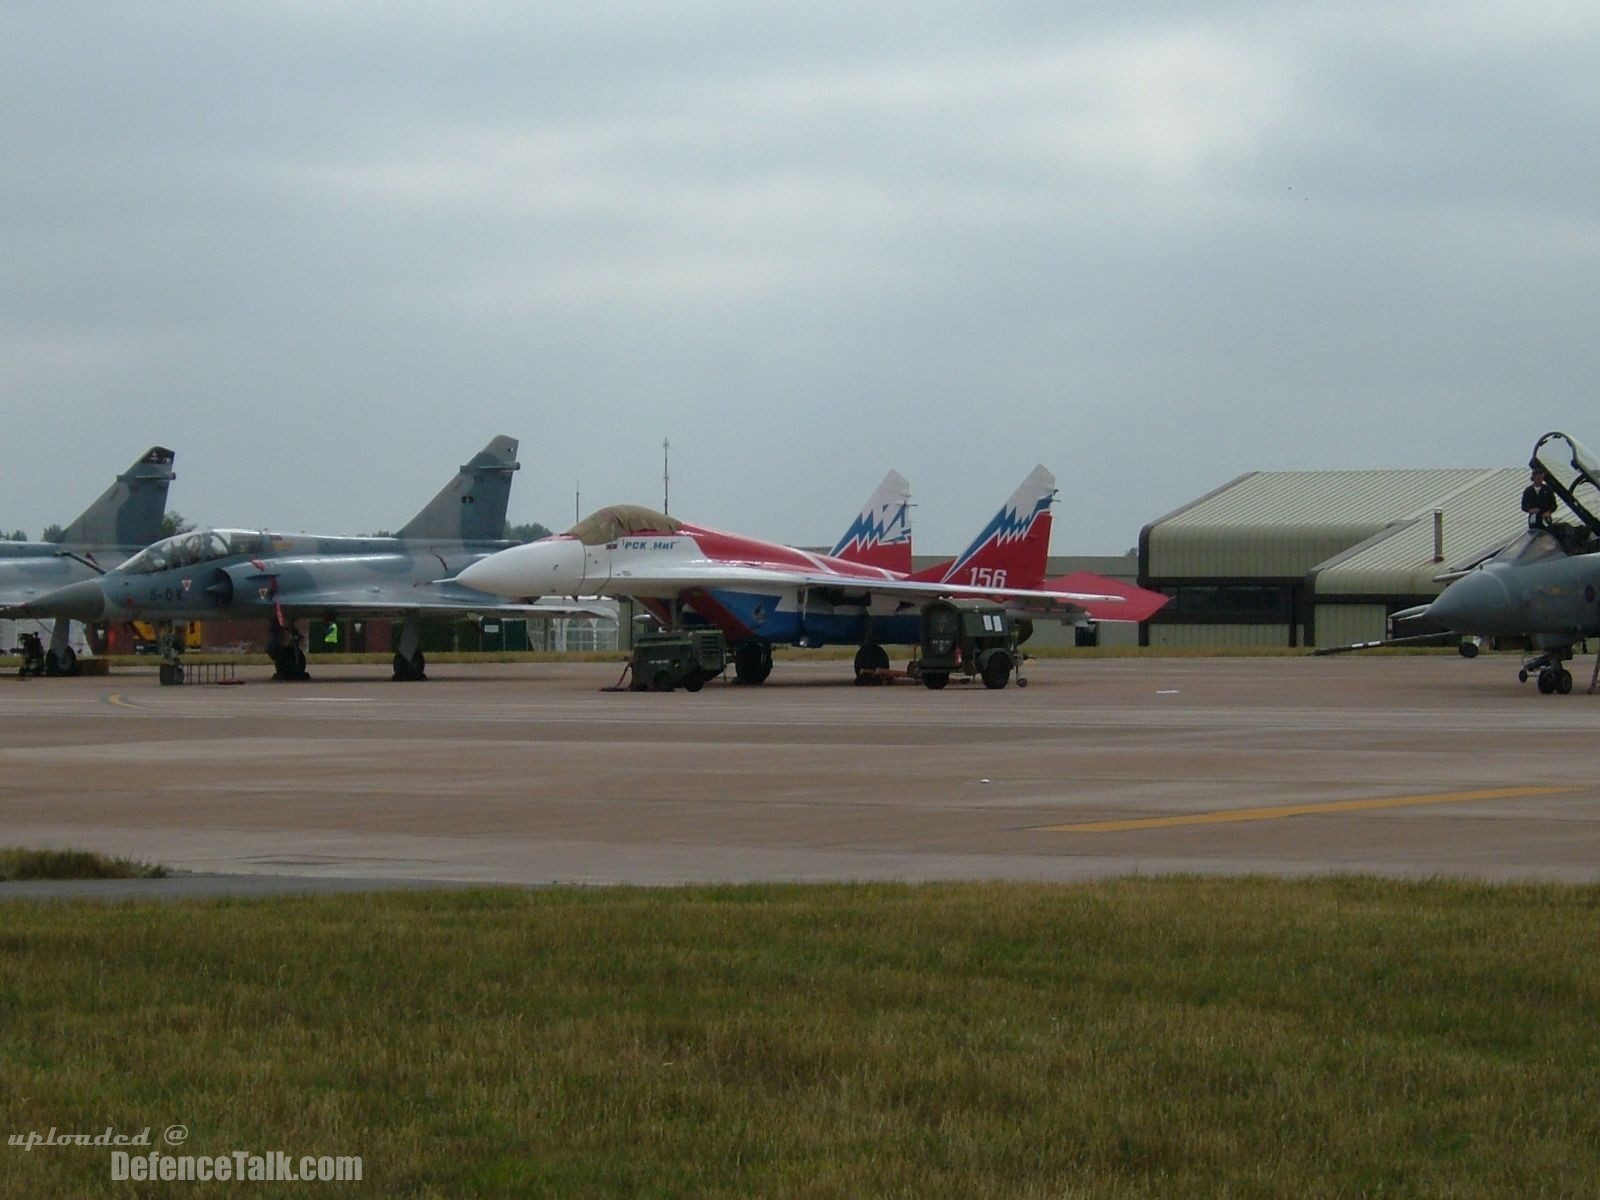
{"points": [[1183, 240]]}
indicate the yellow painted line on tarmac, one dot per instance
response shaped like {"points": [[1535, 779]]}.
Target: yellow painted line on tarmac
{"points": [[1232, 815], [116, 699]]}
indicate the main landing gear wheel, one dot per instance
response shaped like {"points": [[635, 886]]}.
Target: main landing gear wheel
{"points": [[410, 669], [934, 680], [290, 664], [752, 662], [61, 662], [870, 658]]}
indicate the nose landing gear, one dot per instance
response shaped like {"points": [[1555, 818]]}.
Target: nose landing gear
{"points": [[1552, 677]]}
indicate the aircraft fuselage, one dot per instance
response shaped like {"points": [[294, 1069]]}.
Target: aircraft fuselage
{"points": [[660, 568], [1556, 601], [244, 574]]}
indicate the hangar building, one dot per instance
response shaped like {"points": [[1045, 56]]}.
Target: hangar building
{"points": [[1318, 558]]}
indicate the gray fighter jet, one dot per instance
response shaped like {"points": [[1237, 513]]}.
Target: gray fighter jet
{"points": [[125, 519], [238, 574], [1543, 588]]}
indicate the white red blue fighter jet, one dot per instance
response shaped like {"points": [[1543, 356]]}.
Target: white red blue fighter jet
{"points": [[762, 594]]}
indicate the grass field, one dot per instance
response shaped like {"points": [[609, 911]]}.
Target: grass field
{"points": [[1137, 1038], [18, 864]]}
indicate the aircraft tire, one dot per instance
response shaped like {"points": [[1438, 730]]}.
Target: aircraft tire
{"points": [[871, 657], [63, 663], [752, 663], [934, 680], [1547, 681], [1564, 681], [408, 670]]}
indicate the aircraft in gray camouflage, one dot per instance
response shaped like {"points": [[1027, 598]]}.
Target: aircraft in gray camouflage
{"points": [[1541, 590], [236, 574], [126, 518]]}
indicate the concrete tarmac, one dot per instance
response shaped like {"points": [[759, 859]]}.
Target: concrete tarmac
{"points": [[1409, 767]]}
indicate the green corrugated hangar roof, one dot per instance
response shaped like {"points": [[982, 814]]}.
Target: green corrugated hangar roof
{"points": [[1283, 524], [1402, 560]]}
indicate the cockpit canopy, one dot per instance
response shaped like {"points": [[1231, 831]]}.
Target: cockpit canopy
{"points": [[1535, 545], [196, 546], [621, 520]]}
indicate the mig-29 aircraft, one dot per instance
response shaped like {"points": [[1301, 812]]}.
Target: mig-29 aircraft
{"points": [[761, 594], [283, 577], [124, 520]]}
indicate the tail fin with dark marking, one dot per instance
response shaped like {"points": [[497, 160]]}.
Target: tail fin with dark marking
{"points": [[129, 512], [472, 506], [880, 536]]}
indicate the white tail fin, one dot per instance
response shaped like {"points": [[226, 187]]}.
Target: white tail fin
{"points": [[880, 536]]}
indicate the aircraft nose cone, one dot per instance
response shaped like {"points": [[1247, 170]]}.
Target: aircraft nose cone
{"points": [[490, 575], [83, 601], [537, 569], [1476, 603]]}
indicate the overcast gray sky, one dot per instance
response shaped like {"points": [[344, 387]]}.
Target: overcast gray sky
{"points": [[326, 251]]}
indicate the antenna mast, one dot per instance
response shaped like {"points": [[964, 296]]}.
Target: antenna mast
{"points": [[666, 476]]}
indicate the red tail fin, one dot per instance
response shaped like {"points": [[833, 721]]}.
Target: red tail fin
{"points": [[1013, 548]]}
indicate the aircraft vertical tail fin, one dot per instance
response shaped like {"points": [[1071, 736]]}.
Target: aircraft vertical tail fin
{"points": [[1014, 547], [129, 512], [472, 506], [880, 536]]}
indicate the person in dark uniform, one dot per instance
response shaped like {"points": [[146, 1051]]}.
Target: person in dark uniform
{"points": [[1539, 499]]}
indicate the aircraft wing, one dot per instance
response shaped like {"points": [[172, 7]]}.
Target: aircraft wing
{"points": [[733, 576], [428, 600]]}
